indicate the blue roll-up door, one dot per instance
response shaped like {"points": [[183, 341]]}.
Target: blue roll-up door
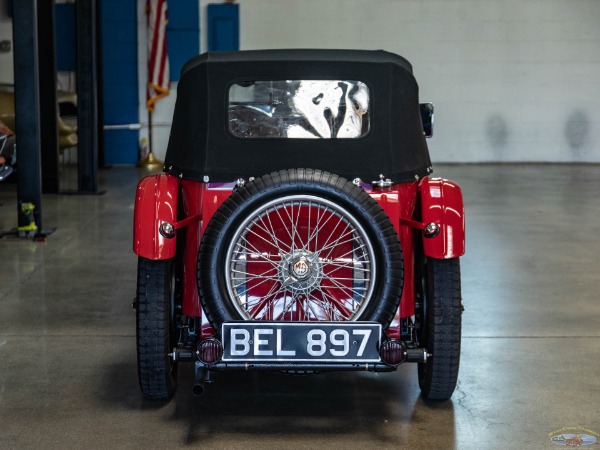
{"points": [[223, 27], [120, 80]]}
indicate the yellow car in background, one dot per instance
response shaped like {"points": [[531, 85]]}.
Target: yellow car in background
{"points": [[66, 121]]}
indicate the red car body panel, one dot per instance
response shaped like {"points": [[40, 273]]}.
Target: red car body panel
{"points": [[193, 201], [198, 199], [440, 201], [399, 202], [155, 203]]}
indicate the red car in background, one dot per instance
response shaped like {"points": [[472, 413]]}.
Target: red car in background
{"points": [[7, 150]]}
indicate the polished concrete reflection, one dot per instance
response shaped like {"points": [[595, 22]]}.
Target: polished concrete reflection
{"points": [[531, 336]]}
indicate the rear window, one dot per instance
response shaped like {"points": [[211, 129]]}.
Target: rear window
{"points": [[299, 109]]}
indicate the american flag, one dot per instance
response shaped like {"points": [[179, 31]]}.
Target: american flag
{"points": [[158, 60]]}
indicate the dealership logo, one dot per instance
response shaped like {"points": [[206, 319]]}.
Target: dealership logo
{"points": [[573, 437]]}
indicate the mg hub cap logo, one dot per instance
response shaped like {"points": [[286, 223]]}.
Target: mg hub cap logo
{"points": [[300, 269]]}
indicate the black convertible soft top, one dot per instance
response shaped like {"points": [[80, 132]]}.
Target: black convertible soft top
{"points": [[201, 145]]}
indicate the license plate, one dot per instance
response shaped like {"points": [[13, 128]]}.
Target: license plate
{"points": [[295, 341]]}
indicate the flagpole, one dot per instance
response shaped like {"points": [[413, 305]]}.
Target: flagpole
{"points": [[149, 131], [158, 69], [150, 162]]}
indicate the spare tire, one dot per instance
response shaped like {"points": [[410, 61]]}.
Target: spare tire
{"points": [[300, 245]]}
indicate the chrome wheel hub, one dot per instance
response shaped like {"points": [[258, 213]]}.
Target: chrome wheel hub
{"points": [[300, 271]]}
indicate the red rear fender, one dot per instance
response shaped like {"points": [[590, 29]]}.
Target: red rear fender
{"points": [[155, 203], [442, 204]]}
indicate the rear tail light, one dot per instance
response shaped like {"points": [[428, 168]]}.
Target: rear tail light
{"points": [[209, 351], [393, 352]]}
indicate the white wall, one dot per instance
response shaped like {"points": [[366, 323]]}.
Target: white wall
{"points": [[512, 80]]}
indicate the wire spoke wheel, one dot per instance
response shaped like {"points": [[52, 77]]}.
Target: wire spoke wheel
{"points": [[300, 257]]}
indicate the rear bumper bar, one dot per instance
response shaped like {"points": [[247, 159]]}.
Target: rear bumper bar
{"points": [[303, 367], [414, 355]]}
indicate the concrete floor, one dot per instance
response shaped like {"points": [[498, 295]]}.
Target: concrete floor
{"points": [[531, 336]]}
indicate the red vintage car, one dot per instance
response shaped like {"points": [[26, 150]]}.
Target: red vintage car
{"points": [[7, 150], [296, 227]]}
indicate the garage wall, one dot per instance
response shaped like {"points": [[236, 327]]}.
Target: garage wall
{"points": [[512, 80], [120, 79]]}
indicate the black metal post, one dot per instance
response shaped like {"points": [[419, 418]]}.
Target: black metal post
{"points": [[27, 109], [149, 131], [99, 86], [49, 107], [87, 96]]}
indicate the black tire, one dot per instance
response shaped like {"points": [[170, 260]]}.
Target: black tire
{"points": [[303, 185], [156, 331], [439, 317]]}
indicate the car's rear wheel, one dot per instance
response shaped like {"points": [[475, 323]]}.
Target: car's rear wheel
{"points": [[439, 313], [156, 331], [300, 245]]}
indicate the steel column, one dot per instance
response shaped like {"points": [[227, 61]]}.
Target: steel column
{"points": [[49, 107], [87, 96], [27, 108]]}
